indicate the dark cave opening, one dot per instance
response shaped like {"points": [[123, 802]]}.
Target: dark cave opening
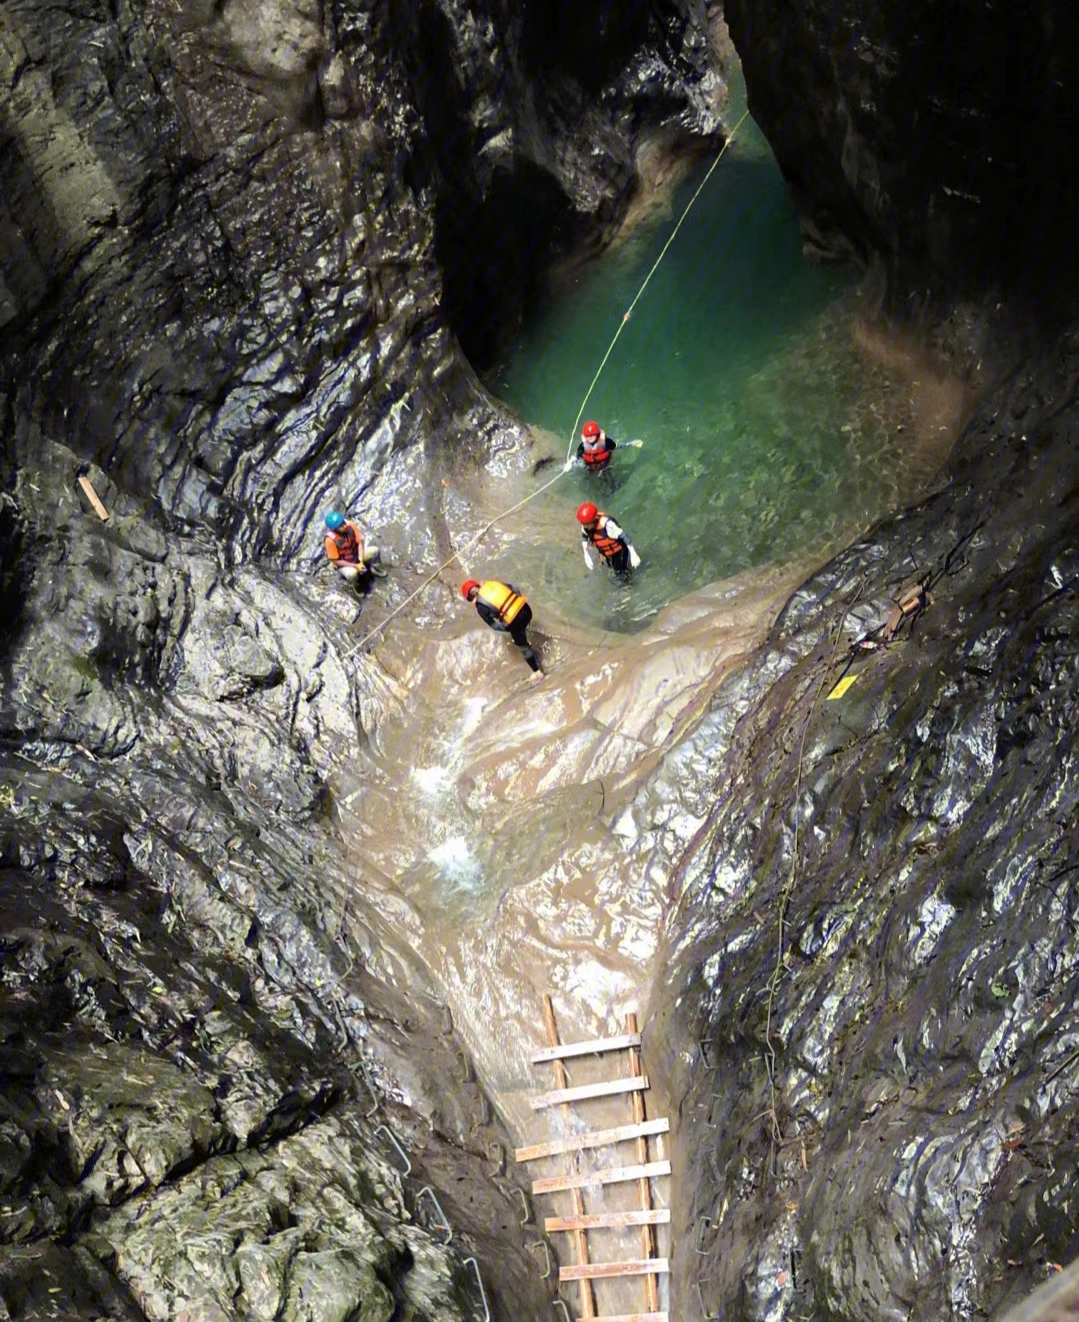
{"points": [[588, 39], [500, 218], [495, 256]]}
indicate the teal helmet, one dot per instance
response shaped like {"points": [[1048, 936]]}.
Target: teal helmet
{"points": [[335, 520]]}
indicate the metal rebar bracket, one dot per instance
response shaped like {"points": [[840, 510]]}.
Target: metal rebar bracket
{"points": [[484, 1117], [542, 1244], [361, 1069], [524, 1205], [496, 1153], [710, 1122], [561, 1303], [438, 1208], [703, 1224], [704, 1046], [447, 1021], [708, 1317], [384, 1129], [483, 1292]]}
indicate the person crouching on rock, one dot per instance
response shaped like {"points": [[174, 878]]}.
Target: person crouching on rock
{"points": [[502, 607], [353, 557], [601, 531]]}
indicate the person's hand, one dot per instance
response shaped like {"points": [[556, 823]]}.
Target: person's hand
{"points": [[634, 559], [637, 445], [568, 465], [587, 558]]}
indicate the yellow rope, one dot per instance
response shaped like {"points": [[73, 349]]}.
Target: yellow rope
{"points": [[663, 253], [573, 433]]}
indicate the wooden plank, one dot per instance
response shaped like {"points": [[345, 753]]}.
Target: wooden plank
{"points": [[563, 1096], [606, 1271], [94, 499], [567, 1050], [580, 1240], [648, 1235], [617, 1175], [634, 1317], [595, 1138], [656, 1216]]}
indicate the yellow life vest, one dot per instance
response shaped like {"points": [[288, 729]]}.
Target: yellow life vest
{"points": [[502, 599]]}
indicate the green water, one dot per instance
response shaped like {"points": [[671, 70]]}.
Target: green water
{"points": [[738, 371]]}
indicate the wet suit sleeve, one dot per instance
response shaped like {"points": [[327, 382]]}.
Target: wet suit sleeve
{"points": [[489, 616]]}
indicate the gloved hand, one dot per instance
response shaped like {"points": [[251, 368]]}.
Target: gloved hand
{"points": [[568, 465], [634, 559], [587, 558]]}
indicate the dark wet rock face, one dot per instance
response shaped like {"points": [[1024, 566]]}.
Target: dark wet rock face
{"points": [[940, 137]]}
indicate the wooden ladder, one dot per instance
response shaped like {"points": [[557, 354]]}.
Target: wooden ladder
{"points": [[634, 1085]]}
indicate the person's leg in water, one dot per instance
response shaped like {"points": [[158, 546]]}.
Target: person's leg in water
{"points": [[608, 481], [517, 632], [620, 565]]}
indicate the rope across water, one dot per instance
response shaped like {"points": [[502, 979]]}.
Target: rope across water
{"points": [[479, 536]]}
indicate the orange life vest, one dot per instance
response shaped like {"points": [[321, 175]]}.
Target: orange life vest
{"points": [[502, 599], [608, 547], [596, 454], [344, 544]]}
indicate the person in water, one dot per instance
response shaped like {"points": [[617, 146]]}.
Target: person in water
{"points": [[601, 531], [349, 552], [505, 610], [596, 448]]}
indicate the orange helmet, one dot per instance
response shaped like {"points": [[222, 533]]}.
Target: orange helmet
{"points": [[468, 585], [587, 513], [589, 430]]}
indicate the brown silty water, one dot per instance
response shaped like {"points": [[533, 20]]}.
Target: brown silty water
{"points": [[521, 840]]}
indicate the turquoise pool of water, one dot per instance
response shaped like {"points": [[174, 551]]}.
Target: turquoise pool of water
{"points": [[763, 437]]}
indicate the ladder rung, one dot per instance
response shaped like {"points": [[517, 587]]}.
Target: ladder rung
{"points": [[597, 1138], [601, 1271], [633, 1317], [619, 1175], [587, 1090], [656, 1216], [567, 1049]]}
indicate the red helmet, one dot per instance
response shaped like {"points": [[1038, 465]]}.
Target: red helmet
{"points": [[589, 430], [587, 513], [468, 585]]}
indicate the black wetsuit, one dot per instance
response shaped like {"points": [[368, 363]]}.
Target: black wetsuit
{"points": [[598, 464], [516, 628]]}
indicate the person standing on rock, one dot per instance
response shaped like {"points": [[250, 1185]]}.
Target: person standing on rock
{"points": [[601, 531], [505, 610], [351, 555]]}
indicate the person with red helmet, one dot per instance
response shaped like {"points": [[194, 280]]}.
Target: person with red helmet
{"points": [[505, 610], [596, 448], [601, 531]]}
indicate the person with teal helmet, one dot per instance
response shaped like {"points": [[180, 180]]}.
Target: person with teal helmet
{"points": [[349, 552]]}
